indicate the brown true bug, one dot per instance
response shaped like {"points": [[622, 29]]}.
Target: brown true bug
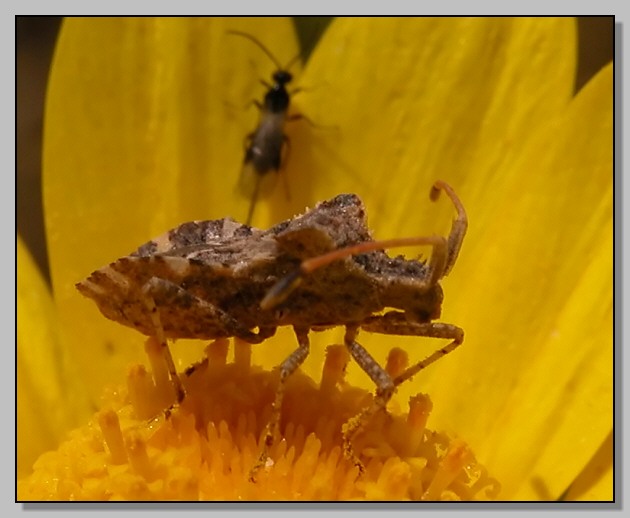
{"points": [[216, 279], [265, 145]]}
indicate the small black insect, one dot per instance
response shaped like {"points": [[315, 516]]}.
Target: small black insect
{"points": [[267, 144]]}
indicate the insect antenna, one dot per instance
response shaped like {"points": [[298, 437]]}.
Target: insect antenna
{"points": [[293, 60], [266, 50], [459, 226]]}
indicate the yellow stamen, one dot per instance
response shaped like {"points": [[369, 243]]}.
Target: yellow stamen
{"points": [[205, 447]]}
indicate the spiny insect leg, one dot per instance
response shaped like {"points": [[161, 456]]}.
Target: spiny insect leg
{"points": [[436, 330], [252, 202], [149, 302], [287, 367], [254, 102], [384, 390], [285, 152], [395, 323]]}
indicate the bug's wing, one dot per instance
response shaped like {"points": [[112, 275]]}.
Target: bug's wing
{"points": [[122, 289], [253, 183], [194, 235], [305, 242], [332, 224]]}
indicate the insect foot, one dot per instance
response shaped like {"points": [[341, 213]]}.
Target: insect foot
{"points": [[220, 279]]}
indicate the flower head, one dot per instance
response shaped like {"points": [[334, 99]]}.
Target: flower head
{"points": [[205, 449]]}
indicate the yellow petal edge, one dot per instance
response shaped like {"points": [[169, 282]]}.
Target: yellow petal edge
{"points": [[46, 402]]}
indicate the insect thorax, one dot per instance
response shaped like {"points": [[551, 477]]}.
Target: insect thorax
{"points": [[277, 99]]}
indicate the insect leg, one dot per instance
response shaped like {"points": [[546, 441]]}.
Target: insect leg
{"points": [[395, 323], [391, 323], [300, 116], [385, 388], [435, 330], [287, 367], [184, 311], [149, 302], [248, 142], [286, 145], [256, 103], [252, 202]]}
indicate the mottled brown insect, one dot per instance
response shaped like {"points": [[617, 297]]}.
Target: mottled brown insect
{"points": [[214, 279]]}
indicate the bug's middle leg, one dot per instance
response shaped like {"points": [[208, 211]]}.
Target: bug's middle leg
{"points": [[287, 367]]}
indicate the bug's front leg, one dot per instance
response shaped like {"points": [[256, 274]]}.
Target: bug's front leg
{"points": [[287, 367], [385, 388], [394, 323]]}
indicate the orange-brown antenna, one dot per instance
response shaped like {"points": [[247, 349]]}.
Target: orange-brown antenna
{"points": [[459, 226]]}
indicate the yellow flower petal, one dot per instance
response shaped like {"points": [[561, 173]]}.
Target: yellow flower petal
{"points": [[595, 482], [415, 100], [46, 400], [522, 278], [483, 103]]}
